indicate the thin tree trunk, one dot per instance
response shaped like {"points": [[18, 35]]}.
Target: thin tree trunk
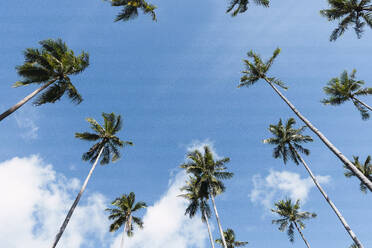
{"points": [[347, 162], [333, 206], [303, 237], [209, 229], [24, 100], [122, 237], [364, 104], [218, 222], [72, 209]]}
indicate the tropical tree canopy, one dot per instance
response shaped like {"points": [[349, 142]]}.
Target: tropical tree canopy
{"points": [[287, 140], [290, 216], [130, 9], [230, 239], [365, 168], [242, 6], [54, 61], [105, 135], [124, 207], [355, 13], [345, 88]]}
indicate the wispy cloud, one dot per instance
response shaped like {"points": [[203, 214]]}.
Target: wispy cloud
{"points": [[199, 145], [26, 120]]}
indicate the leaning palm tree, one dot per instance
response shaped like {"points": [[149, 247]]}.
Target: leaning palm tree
{"points": [[257, 70], [366, 169], [230, 239], [355, 13], [122, 215], [208, 174], [347, 88], [130, 9], [50, 66], [197, 201], [107, 146], [242, 5], [287, 141], [291, 218]]}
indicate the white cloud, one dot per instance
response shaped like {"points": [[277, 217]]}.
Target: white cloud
{"points": [[282, 184], [166, 226], [25, 119], [199, 145], [34, 201]]}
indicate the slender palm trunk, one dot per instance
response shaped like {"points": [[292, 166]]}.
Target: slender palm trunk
{"points": [[364, 104], [72, 209], [122, 237], [302, 235], [347, 162], [333, 206], [209, 229], [24, 100], [218, 221]]}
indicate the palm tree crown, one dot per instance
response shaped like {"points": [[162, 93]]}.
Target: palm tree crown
{"points": [[122, 212], [290, 216], [365, 168], [130, 10], [242, 5], [53, 62], [348, 12], [106, 139], [346, 88], [230, 239], [287, 140]]}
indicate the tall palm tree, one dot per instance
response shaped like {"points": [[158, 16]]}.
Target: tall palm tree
{"points": [[366, 169], [242, 5], [347, 88], [257, 70], [208, 174], [348, 12], [107, 146], [197, 201], [51, 66], [122, 214], [287, 141], [130, 9], [230, 239], [291, 218]]}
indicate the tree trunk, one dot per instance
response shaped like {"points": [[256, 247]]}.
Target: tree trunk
{"points": [[122, 237], [303, 237], [341, 218], [24, 100], [347, 162], [209, 229], [72, 209], [364, 104], [218, 222]]}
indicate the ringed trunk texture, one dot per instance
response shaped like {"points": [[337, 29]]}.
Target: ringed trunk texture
{"points": [[347, 162], [218, 222], [364, 104], [333, 206], [72, 209], [303, 237], [209, 229], [24, 100]]}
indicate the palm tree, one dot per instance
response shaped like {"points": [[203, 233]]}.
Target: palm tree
{"points": [[50, 66], [366, 169], [122, 214], [230, 239], [257, 70], [347, 88], [287, 141], [348, 12], [197, 201], [130, 10], [242, 5], [208, 174], [108, 146], [291, 218]]}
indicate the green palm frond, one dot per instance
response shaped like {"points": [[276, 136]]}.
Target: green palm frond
{"points": [[365, 168], [131, 7], [242, 6], [229, 236]]}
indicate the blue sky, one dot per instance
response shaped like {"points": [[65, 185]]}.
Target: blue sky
{"points": [[174, 82]]}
